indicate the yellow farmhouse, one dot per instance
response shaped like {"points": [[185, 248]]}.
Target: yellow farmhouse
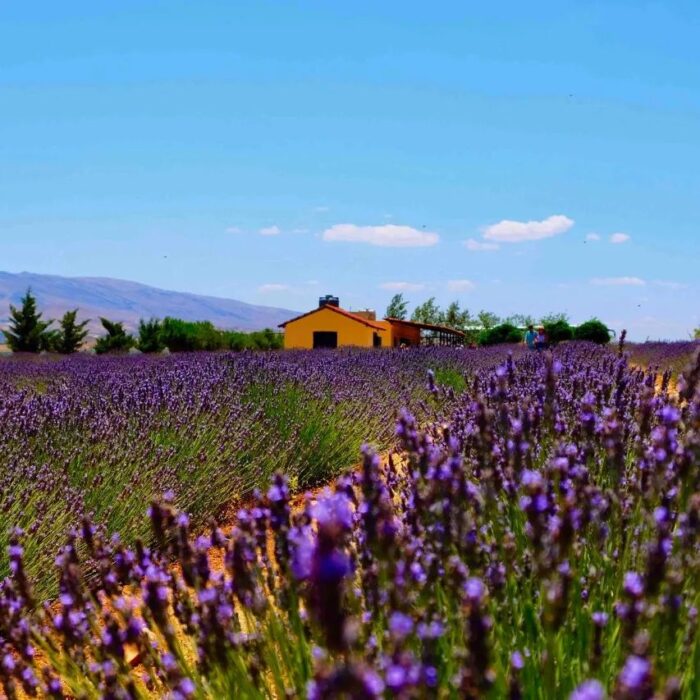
{"points": [[329, 326]]}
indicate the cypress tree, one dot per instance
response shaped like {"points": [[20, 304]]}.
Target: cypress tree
{"points": [[27, 332], [72, 335]]}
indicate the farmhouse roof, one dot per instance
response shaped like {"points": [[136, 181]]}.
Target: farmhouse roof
{"points": [[426, 326], [342, 312]]}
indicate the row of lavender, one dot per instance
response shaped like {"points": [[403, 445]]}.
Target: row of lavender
{"points": [[674, 356], [101, 437], [540, 538]]}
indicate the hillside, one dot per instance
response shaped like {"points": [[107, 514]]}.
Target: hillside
{"points": [[121, 300]]}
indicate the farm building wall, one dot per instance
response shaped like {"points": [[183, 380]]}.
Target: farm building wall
{"points": [[403, 333], [299, 333]]}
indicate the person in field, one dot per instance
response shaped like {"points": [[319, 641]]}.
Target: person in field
{"points": [[540, 339], [530, 337]]}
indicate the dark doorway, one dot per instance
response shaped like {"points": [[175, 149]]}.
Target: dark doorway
{"points": [[325, 339], [377, 340]]}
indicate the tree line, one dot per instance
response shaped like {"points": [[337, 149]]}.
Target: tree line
{"points": [[487, 328], [29, 332]]}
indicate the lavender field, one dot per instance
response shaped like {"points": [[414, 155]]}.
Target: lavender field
{"points": [[101, 437], [663, 356], [532, 528]]}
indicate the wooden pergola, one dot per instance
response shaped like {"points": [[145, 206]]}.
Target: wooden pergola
{"points": [[440, 335]]}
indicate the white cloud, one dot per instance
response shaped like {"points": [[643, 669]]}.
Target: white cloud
{"points": [[270, 231], [619, 238], [234, 229], [618, 281], [507, 231], [592, 237], [402, 286], [321, 209], [460, 285], [386, 236], [667, 284], [473, 244], [269, 288]]}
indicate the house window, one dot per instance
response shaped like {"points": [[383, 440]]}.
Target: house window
{"points": [[325, 339], [377, 340]]}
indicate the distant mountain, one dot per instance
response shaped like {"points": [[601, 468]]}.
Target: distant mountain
{"points": [[120, 300]]}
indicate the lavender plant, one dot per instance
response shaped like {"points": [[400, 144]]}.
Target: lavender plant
{"points": [[664, 356], [100, 437], [537, 535]]}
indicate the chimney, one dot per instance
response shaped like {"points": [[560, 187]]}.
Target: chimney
{"points": [[328, 300]]}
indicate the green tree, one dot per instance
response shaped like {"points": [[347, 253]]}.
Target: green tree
{"points": [[428, 312], [116, 340], [487, 319], [697, 333], [594, 330], [267, 339], [238, 340], [71, 336], [398, 307], [208, 336], [178, 335], [150, 339], [558, 331], [502, 333], [554, 317], [522, 320], [188, 336], [455, 317], [27, 332]]}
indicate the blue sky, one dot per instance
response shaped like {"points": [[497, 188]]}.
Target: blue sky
{"points": [[274, 151]]}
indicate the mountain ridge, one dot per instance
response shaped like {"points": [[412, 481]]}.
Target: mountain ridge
{"points": [[128, 301]]}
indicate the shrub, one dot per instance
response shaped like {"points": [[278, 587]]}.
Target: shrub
{"points": [[558, 331], [187, 336], [594, 330], [503, 333], [266, 339], [150, 339], [237, 340], [116, 340], [177, 335], [207, 337]]}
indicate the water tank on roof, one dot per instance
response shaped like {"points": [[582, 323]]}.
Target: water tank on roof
{"points": [[328, 300]]}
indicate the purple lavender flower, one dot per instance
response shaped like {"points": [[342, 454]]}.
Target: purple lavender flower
{"points": [[635, 679], [334, 511], [474, 588], [302, 542], [400, 625], [588, 690], [633, 585]]}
